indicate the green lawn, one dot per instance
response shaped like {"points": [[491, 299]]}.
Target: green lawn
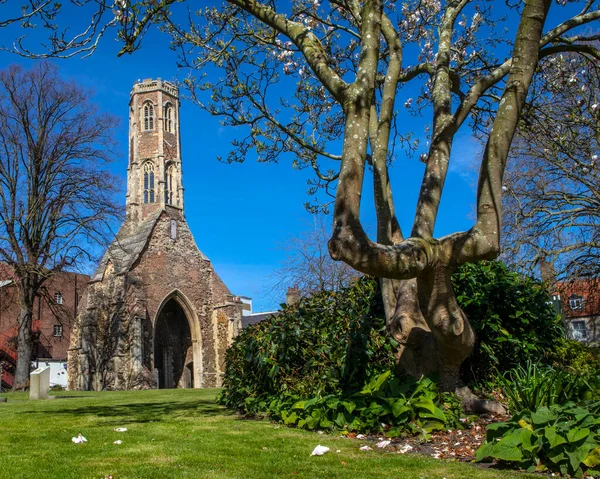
{"points": [[183, 434]]}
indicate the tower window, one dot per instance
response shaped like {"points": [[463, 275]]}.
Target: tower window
{"points": [[148, 116], [169, 184], [58, 299], [148, 182], [168, 118]]}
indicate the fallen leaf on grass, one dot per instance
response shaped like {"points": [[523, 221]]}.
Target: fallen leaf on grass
{"points": [[120, 429], [366, 448]]}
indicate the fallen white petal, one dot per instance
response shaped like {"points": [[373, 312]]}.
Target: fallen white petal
{"points": [[120, 429], [382, 444], [366, 448], [404, 449], [319, 450], [118, 441], [79, 439], [360, 436]]}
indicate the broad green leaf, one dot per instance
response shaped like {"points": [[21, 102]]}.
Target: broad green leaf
{"points": [[577, 457], [430, 426], [349, 405], [543, 416], [553, 437], [299, 405], [291, 419], [426, 404], [436, 414], [576, 435], [508, 449], [484, 451]]}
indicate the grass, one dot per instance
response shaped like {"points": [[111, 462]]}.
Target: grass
{"points": [[183, 434]]}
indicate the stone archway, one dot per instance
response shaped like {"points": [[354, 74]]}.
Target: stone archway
{"points": [[177, 361]]}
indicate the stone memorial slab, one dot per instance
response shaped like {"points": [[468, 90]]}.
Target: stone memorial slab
{"points": [[39, 383]]}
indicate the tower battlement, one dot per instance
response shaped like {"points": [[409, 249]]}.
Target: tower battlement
{"points": [[148, 85]]}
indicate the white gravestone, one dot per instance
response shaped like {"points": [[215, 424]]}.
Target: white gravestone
{"points": [[39, 383]]}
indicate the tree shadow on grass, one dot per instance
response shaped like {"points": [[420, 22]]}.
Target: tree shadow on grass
{"points": [[141, 412]]}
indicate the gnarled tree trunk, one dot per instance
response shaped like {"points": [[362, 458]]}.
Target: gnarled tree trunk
{"points": [[24, 338]]}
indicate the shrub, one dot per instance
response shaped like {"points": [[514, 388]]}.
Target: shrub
{"points": [[563, 439], [531, 386], [512, 316], [576, 357], [330, 343]]}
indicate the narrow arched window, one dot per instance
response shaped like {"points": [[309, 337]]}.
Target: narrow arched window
{"points": [[148, 182], [148, 116], [168, 117], [169, 184]]}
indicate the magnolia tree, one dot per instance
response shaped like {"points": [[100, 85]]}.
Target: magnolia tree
{"points": [[325, 80], [552, 183]]}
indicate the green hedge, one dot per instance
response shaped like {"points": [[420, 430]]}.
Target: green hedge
{"points": [[334, 343], [331, 343], [512, 316]]}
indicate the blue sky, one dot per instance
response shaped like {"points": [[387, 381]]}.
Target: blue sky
{"points": [[240, 214]]}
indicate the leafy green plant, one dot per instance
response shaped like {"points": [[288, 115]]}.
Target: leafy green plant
{"points": [[384, 404], [532, 386], [560, 438], [511, 315]]}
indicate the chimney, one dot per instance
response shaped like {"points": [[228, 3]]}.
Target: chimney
{"points": [[292, 296], [547, 271]]}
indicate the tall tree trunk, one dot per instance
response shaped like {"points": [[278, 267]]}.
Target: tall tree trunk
{"points": [[24, 338], [434, 333]]}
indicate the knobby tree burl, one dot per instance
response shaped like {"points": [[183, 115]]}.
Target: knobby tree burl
{"points": [[325, 80], [56, 197]]}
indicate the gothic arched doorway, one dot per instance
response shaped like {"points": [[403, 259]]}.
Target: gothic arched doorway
{"points": [[173, 356]]}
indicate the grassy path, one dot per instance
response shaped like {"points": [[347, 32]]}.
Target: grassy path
{"points": [[183, 434]]}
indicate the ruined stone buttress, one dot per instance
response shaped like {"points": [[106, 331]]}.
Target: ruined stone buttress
{"points": [[155, 313]]}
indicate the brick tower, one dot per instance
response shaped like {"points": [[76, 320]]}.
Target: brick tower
{"points": [[154, 171], [156, 314]]}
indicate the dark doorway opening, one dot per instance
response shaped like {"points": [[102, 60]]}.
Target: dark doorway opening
{"points": [[173, 348]]}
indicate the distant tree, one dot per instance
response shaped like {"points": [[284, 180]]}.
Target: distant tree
{"points": [[309, 266], [56, 197], [552, 183]]}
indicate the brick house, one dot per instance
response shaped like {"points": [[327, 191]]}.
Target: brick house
{"points": [[54, 312], [580, 301]]}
